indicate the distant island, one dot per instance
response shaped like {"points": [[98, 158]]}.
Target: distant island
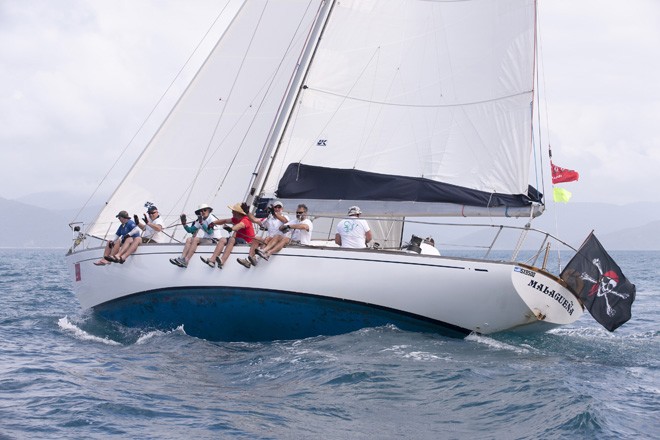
{"points": [[41, 221]]}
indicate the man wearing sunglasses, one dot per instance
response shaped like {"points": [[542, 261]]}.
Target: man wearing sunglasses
{"points": [[302, 234]]}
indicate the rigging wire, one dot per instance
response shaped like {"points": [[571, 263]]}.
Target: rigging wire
{"points": [[257, 111], [541, 76], [224, 108], [263, 90]]}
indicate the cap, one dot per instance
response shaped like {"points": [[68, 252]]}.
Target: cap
{"points": [[237, 208], [152, 208], [202, 206], [354, 210], [278, 203], [123, 214]]}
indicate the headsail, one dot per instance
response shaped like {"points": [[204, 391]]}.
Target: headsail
{"points": [[434, 93], [207, 148]]}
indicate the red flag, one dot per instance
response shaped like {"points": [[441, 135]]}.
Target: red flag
{"points": [[562, 174]]}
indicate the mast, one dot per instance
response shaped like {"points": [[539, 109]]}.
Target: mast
{"points": [[292, 95]]}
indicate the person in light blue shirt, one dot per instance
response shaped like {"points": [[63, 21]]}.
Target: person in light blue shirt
{"points": [[203, 232]]}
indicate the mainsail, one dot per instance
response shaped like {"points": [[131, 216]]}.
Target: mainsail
{"points": [[408, 100]]}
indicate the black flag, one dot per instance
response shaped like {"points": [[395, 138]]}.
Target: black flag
{"points": [[604, 290]]}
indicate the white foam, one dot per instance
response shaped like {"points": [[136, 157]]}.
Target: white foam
{"points": [[585, 332], [495, 344], [405, 352], [422, 356], [79, 333], [156, 333]]}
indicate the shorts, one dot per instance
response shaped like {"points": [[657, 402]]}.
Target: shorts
{"points": [[208, 240], [123, 239]]}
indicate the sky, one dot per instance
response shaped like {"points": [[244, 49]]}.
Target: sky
{"points": [[80, 76]]}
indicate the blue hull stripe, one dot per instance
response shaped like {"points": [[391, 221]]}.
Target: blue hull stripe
{"points": [[250, 315]]}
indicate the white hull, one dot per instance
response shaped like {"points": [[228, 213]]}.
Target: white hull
{"points": [[305, 290]]}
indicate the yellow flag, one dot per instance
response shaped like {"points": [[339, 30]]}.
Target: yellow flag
{"points": [[561, 195]]}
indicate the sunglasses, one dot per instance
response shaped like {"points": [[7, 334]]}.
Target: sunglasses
{"points": [[300, 212]]}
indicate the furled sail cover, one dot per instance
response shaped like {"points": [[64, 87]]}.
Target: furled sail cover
{"points": [[301, 181], [207, 149], [427, 95]]}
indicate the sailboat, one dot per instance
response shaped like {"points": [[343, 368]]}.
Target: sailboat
{"points": [[409, 109]]}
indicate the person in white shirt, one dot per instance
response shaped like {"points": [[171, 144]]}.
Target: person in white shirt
{"points": [[302, 234], [271, 224], [152, 227], [353, 232]]}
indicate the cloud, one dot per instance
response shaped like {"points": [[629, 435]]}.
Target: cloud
{"points": [[604, 96], [80, 76]]}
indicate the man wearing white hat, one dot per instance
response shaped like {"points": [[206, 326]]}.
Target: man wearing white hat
{"points": [[202, 231], [353, 232]]}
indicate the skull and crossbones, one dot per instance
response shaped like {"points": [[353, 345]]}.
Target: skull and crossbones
{"points": [[605, 285]]}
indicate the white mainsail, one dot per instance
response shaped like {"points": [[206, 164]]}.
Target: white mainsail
{"points": [[434, 90], [207, 149]]}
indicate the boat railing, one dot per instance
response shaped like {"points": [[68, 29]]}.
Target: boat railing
{"points": [[496, 242]]}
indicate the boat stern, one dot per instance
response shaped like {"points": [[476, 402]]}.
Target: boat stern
{"points": [[549, 300]]}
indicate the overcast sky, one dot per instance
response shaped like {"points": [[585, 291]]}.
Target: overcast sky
{"points": [[79, 77]]}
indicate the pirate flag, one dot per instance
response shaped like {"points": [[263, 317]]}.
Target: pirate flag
{"points": [[601, 285]]}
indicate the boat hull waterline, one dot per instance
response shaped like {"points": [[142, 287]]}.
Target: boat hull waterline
{"points": [[310, 291]]}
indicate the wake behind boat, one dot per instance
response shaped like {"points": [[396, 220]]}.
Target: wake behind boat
{"points": [[408, 109]]}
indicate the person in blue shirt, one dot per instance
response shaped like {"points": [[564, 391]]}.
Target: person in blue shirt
{"points": [[119, 248]]}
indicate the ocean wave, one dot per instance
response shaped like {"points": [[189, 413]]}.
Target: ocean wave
{"points": [[157, 333], [81, 334]]}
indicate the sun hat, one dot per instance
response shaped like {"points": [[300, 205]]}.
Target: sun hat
{"points": [[202, 206], [237, 208], [123, 214], [278, 203], [354, 210]]}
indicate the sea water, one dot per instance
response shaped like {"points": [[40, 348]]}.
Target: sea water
{"points": [[66, 374]]}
